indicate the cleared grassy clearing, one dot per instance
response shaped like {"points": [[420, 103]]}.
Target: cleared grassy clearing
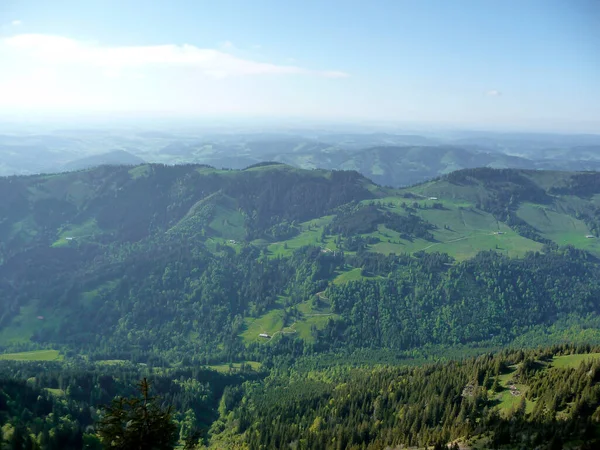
{"points": [[71, 233], [111, 362], [142, 171], [311, 233], [560, 227], [226, 368], [228, 222], [269, 323], [304, 327], [573, 361], [508, 401], [56, 392], [30, 319], [36, 355], [351, 275]]}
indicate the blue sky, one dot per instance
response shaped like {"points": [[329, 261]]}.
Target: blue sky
{"points": [[512, 64]]}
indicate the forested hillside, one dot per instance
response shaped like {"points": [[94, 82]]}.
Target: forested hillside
{"points": [[536, 399], [185, 272], [157, 263]]}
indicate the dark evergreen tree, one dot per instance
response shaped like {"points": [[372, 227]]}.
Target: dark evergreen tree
{"points": [[138, 423]]}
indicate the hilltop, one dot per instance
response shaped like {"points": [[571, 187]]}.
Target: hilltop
{"points": [[113, 158]]}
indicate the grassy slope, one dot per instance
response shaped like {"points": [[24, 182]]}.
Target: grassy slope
{"points": [[573, 361], [34, 317], [310, 234], [508, 401], [31, 318], [559, 227], [462, 231], [226, 368], [272, 323], [37, 355]]}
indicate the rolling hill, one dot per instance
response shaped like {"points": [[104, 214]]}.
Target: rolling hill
{"points": [[390, 159], [113, 158], [155, 262], [350, 296]]}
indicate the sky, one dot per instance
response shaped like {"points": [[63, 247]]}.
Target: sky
{"points": [[523, 64]]}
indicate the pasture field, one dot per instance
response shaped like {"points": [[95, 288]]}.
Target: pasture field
{"points": [[225, 368], [35, 355], [573, 361]]}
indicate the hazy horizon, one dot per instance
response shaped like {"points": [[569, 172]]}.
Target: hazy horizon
{"points": [[489, 66]]}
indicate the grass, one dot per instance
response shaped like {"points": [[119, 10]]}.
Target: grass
{"points": [[351, 275], [228, 222], [143, 171], [269, 323], [88, 297], [303, 327], [36, 355], [225, 368], [313, 317], [461, 232], [56, 392], [30, 319], [559, 227], [310, 234], [507, 402], [272, 322], [83, 230], [24, 230], [573, 361], [111, 362]]}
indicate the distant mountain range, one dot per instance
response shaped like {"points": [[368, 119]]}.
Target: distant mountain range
{"points": [[388, 159]]}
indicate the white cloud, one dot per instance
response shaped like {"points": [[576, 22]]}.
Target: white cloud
{"points": [[16, 23], [493, 93], [57, 50]]}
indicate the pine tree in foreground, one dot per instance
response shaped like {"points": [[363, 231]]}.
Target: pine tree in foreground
{"points": [[137, 423]]}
